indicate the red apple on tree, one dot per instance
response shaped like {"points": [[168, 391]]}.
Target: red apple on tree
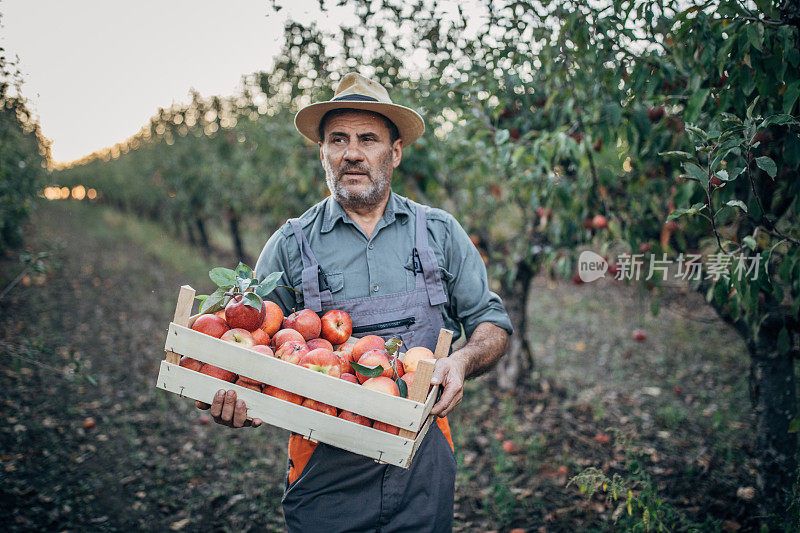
{"points": [[337, 326]]}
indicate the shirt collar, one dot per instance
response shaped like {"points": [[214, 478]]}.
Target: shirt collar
{"points": [[394, 207]]}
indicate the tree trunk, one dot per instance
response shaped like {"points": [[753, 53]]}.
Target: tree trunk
{"points": [[774, 397], [201, 230], [518, 361], [233, 221], [190, 234]]}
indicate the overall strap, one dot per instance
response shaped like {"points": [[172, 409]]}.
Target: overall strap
{"points": [[427, 258], [311, 269]]}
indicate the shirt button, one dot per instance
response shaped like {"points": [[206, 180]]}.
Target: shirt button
{"points": [[371, 246], [375, 288]]}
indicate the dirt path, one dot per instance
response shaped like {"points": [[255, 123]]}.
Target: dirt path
{"points": [[88, 343]]}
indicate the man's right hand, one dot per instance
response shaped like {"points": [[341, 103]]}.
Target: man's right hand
{"points": [[228, 411]]}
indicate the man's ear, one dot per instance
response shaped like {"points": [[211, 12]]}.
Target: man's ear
{"points": [[321, 155], [397, 153]]}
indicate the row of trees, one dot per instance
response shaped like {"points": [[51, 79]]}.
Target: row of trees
{"points": [[678, 125], [24, 153]]}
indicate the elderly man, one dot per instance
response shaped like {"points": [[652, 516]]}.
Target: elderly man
{"points": [[400, 269]]}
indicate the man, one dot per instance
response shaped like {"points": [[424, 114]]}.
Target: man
{"points": [[399, 269]]}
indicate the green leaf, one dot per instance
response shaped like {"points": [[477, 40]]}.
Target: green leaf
{"points": [[695, 105], [214, 302], [268, 285], [697, 174], [223, 277], [777, 120], [790, 96], [683, 156], [767, 165], [401, 384], [392, 345], [751, 107], [244, 271], [368, 371], [737, 203], [252, 300], [696, 208], [794, 425], [783, 341], [749, 241]]}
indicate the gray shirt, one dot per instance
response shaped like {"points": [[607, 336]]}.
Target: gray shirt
{"points": [[356, 266]]}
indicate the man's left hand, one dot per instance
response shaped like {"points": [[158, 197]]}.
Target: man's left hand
{"points": [[449, 371]]}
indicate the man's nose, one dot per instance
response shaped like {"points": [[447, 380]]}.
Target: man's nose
{"points": [[353, 153]]}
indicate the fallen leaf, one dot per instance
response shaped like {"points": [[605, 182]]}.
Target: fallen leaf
{"points": [[180, 524]]}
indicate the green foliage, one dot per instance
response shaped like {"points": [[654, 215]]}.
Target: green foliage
{"points": [[239, 281], [23, 152]]}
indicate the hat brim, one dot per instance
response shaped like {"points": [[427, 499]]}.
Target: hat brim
{"points": [[409, 123]]}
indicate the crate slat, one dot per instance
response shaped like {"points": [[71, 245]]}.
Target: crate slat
{"points": [[338, 432], [400, 412]]}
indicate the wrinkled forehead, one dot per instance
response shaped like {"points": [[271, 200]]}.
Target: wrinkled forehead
{"points": [[355, 121]]}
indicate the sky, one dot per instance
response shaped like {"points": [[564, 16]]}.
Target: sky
{"points": [[95, 71]]}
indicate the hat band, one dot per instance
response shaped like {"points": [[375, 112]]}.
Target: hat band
{"points": [[354, 98]]}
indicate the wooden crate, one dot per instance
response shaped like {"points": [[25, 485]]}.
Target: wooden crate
{"points": [[411, 415]]}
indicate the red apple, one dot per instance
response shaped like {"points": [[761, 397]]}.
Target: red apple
{"points": [[344, 363], [347, 376], [319, 406], [599, 222], [382, 384], [639, 335], [401, 369], [210, 325], [240, 315], [191, 364], [365, 344], [358, 419], [337, 326], [408, 377], [284, 336], [284, 395], [217, 372], [383, 426], [373, 358], [273, 318], [249, 384], [239, 336], [313, 344], [260, 337], [292, 351], [221, 314], [413, 356], [306, 322], [322, 360], [266, 350]]}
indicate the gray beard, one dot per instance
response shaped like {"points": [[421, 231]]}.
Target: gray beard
{"points": [[370, 197]]}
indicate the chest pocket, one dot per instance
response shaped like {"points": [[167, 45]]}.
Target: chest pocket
{"points": [[332, 280]]}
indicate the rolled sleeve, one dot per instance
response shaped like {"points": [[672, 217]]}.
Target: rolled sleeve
{"points": [[275, 258], [470, 300]]}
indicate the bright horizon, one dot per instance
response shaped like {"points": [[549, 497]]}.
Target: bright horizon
{"points": [[100, 81]]}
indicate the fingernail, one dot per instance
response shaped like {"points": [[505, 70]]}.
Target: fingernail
{"points": [[240, 404], [220, 393], [231, 394]]}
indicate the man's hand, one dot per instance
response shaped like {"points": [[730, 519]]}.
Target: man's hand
{"points": [[228, 411], [487, 344], [450, 372]]}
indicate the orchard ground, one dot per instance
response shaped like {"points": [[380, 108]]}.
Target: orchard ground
{"points": [[88, 342]]}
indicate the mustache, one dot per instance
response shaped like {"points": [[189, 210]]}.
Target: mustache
{"points": [[354, 168]]}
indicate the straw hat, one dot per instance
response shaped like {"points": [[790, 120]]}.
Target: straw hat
{"points": [[357, 92]]}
